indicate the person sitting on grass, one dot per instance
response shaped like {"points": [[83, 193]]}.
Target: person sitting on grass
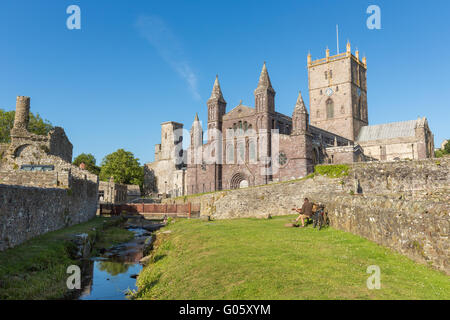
{"points": [[305, 212]]}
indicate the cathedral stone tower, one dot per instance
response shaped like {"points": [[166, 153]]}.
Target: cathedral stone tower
{"points": [[338, 93], [265, 113], [264, 93], [216, 109]]}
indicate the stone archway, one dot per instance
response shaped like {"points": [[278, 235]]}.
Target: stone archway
{"points": [[238, 181]]}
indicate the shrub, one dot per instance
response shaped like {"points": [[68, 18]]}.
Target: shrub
{"points": [[332, 171]]}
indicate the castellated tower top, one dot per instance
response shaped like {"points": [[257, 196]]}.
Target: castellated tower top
{"points": [[22, 116]]}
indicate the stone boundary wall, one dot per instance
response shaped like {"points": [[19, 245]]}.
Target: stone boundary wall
{"points": [[401, 205], [402, 176], [26, 212], [49, 179]]}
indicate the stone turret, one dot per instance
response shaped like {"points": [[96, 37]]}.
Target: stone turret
{"points": [[22, 116], [196, 133], [216, 110], [216, 94], [300, 117], [264, 93]]}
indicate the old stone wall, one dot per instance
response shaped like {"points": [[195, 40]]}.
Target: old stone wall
{"points": [[50, 179], [3, 149], [59, 144], [26, 212], [402, 205]]}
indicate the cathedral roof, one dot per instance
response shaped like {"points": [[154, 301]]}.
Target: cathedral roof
{"points": [[390, 130], [239, 112]]}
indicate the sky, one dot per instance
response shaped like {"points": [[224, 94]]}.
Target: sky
{"points": [[136, 64]]}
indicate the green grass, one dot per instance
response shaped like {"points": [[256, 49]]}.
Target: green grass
{"points": [[262, 259], [37, 268]]}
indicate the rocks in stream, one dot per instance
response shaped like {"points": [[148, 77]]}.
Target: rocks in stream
{"points": [[83, 245]]}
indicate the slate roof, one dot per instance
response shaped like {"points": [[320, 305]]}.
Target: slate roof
{"points": [[389, 130]]}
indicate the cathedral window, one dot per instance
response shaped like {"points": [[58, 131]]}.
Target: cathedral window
{"points": [[331, 74], [330, 109], [252, 151], [241, 152], [230, 153], [326, 75], [358, 109]]}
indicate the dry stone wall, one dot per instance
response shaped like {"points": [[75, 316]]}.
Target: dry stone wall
{"points": [[402, 205], [26, 212]]}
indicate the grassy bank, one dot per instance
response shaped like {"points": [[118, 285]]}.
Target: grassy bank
{"points": [[261, 259], [37, 268]]}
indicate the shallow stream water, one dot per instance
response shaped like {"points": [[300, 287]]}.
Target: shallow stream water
{"points": [[110, 275]]}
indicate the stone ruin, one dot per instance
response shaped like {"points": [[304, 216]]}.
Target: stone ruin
{"points": [[40, 189]]}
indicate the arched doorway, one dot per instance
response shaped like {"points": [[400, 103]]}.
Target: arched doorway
{"points": [[238, 181]]}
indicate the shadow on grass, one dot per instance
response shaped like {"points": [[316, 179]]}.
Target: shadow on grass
{"points": [[158, 257]]}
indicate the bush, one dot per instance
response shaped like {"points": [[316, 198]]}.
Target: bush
{"points": [[332, 171]]}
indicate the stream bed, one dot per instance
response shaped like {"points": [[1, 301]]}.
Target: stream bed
{"points": [[111, 274]]}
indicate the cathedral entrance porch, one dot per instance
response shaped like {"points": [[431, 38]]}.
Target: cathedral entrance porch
{"points": [[238, 181]]}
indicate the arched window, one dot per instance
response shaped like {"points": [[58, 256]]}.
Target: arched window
{"points": [[252, 151], [361, 111], [330, 109], [230, 153], [358, 109], [241, 152]]}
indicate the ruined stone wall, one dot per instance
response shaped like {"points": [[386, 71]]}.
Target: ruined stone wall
{"points": [[402, 205], [112, 192], [3, 148], [60, 145], [26, 212], [50, 179]]}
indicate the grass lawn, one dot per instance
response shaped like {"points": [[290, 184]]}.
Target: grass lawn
{"points": [[37, 268], [262, 259]]}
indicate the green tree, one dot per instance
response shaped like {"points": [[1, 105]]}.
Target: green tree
{"points": [[123, 166], [442, 152], [89, 161], [447, 147], [37, 125]]}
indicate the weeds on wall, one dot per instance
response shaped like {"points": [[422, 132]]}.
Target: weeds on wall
{"points": [[332, 171]]}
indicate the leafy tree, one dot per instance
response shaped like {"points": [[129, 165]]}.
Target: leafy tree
{"points": [[447, 148], [123, 166], [37, 125], [442, 152], [89, 161]]}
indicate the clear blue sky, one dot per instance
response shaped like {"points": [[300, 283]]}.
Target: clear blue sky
{"points": [[135, 64]]}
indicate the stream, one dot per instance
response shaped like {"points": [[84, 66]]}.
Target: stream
{"points": [[111, 274]]}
